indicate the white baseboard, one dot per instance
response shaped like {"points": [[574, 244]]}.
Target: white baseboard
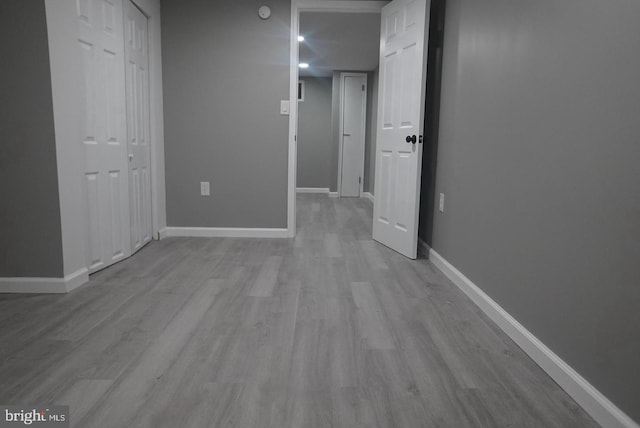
{"points": [[76, 279], [312, 190], [44, 285], [592, 401], [423, 247], [162, 233], [226, 232], [368, 195], [333, 194]]}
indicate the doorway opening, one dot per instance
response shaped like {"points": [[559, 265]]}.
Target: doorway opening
{"points": [[403, 68], [340, 44], [431, 125]]}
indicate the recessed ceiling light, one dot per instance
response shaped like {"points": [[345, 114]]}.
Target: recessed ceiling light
{"points": [[303, 65], [301, 38]]}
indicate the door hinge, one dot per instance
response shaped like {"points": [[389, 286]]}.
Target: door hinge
{"points": [[363, 87], [359, 180]]}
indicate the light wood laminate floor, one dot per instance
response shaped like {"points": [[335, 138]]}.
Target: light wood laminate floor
{"points": [[329, 329]]}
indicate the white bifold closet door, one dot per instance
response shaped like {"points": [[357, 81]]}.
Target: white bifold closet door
{"points": [[99, 28], [137, 95], [112, 39]]}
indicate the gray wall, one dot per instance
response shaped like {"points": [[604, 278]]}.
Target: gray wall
{"points": [[335, 130], [371, 133], [314, 134], [431, 121], [370, 126], [225, 71], [30, 233], [538, 157]]}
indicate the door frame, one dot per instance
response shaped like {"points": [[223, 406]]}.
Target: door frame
{"points": [[297, 7], [343, 75]]}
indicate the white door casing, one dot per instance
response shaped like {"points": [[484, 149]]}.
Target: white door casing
{"points": [[400, 115], [137, 107], [353, 107], [99, 24]]}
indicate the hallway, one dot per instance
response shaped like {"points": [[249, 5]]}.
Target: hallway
{"points": [[328, 329]]}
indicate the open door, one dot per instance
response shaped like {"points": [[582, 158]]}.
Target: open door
{"points": [[401, 92]]}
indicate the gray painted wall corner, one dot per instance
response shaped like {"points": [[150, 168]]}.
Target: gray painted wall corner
{"points": [[371, 134], [335, 129], [30, 227], [223, 80], [314, 134]]}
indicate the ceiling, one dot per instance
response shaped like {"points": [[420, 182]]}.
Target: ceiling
{"points": [[339, 41]]}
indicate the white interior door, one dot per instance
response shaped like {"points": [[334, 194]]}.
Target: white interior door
{"points": [[137, 96], [353, 120], [106, 176], [400, 121]]}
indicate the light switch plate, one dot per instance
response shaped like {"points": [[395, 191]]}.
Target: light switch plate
{"points": [[284, 107], [204, 188], [441, 202]]}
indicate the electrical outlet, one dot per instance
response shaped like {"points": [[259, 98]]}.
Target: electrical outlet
{"points": [[204, 188], [441, 202]]}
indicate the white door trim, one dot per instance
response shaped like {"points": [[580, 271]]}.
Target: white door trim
{"points": [[297, 6], [343, 75]]}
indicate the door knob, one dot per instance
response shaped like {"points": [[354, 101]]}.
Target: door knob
{"points": [[411, 139]]}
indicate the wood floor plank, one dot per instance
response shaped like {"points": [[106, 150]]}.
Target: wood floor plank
{"points": [[373, 256], [121, 402], [267, 277], [332, 245], [373, 322], [83, 395]]}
